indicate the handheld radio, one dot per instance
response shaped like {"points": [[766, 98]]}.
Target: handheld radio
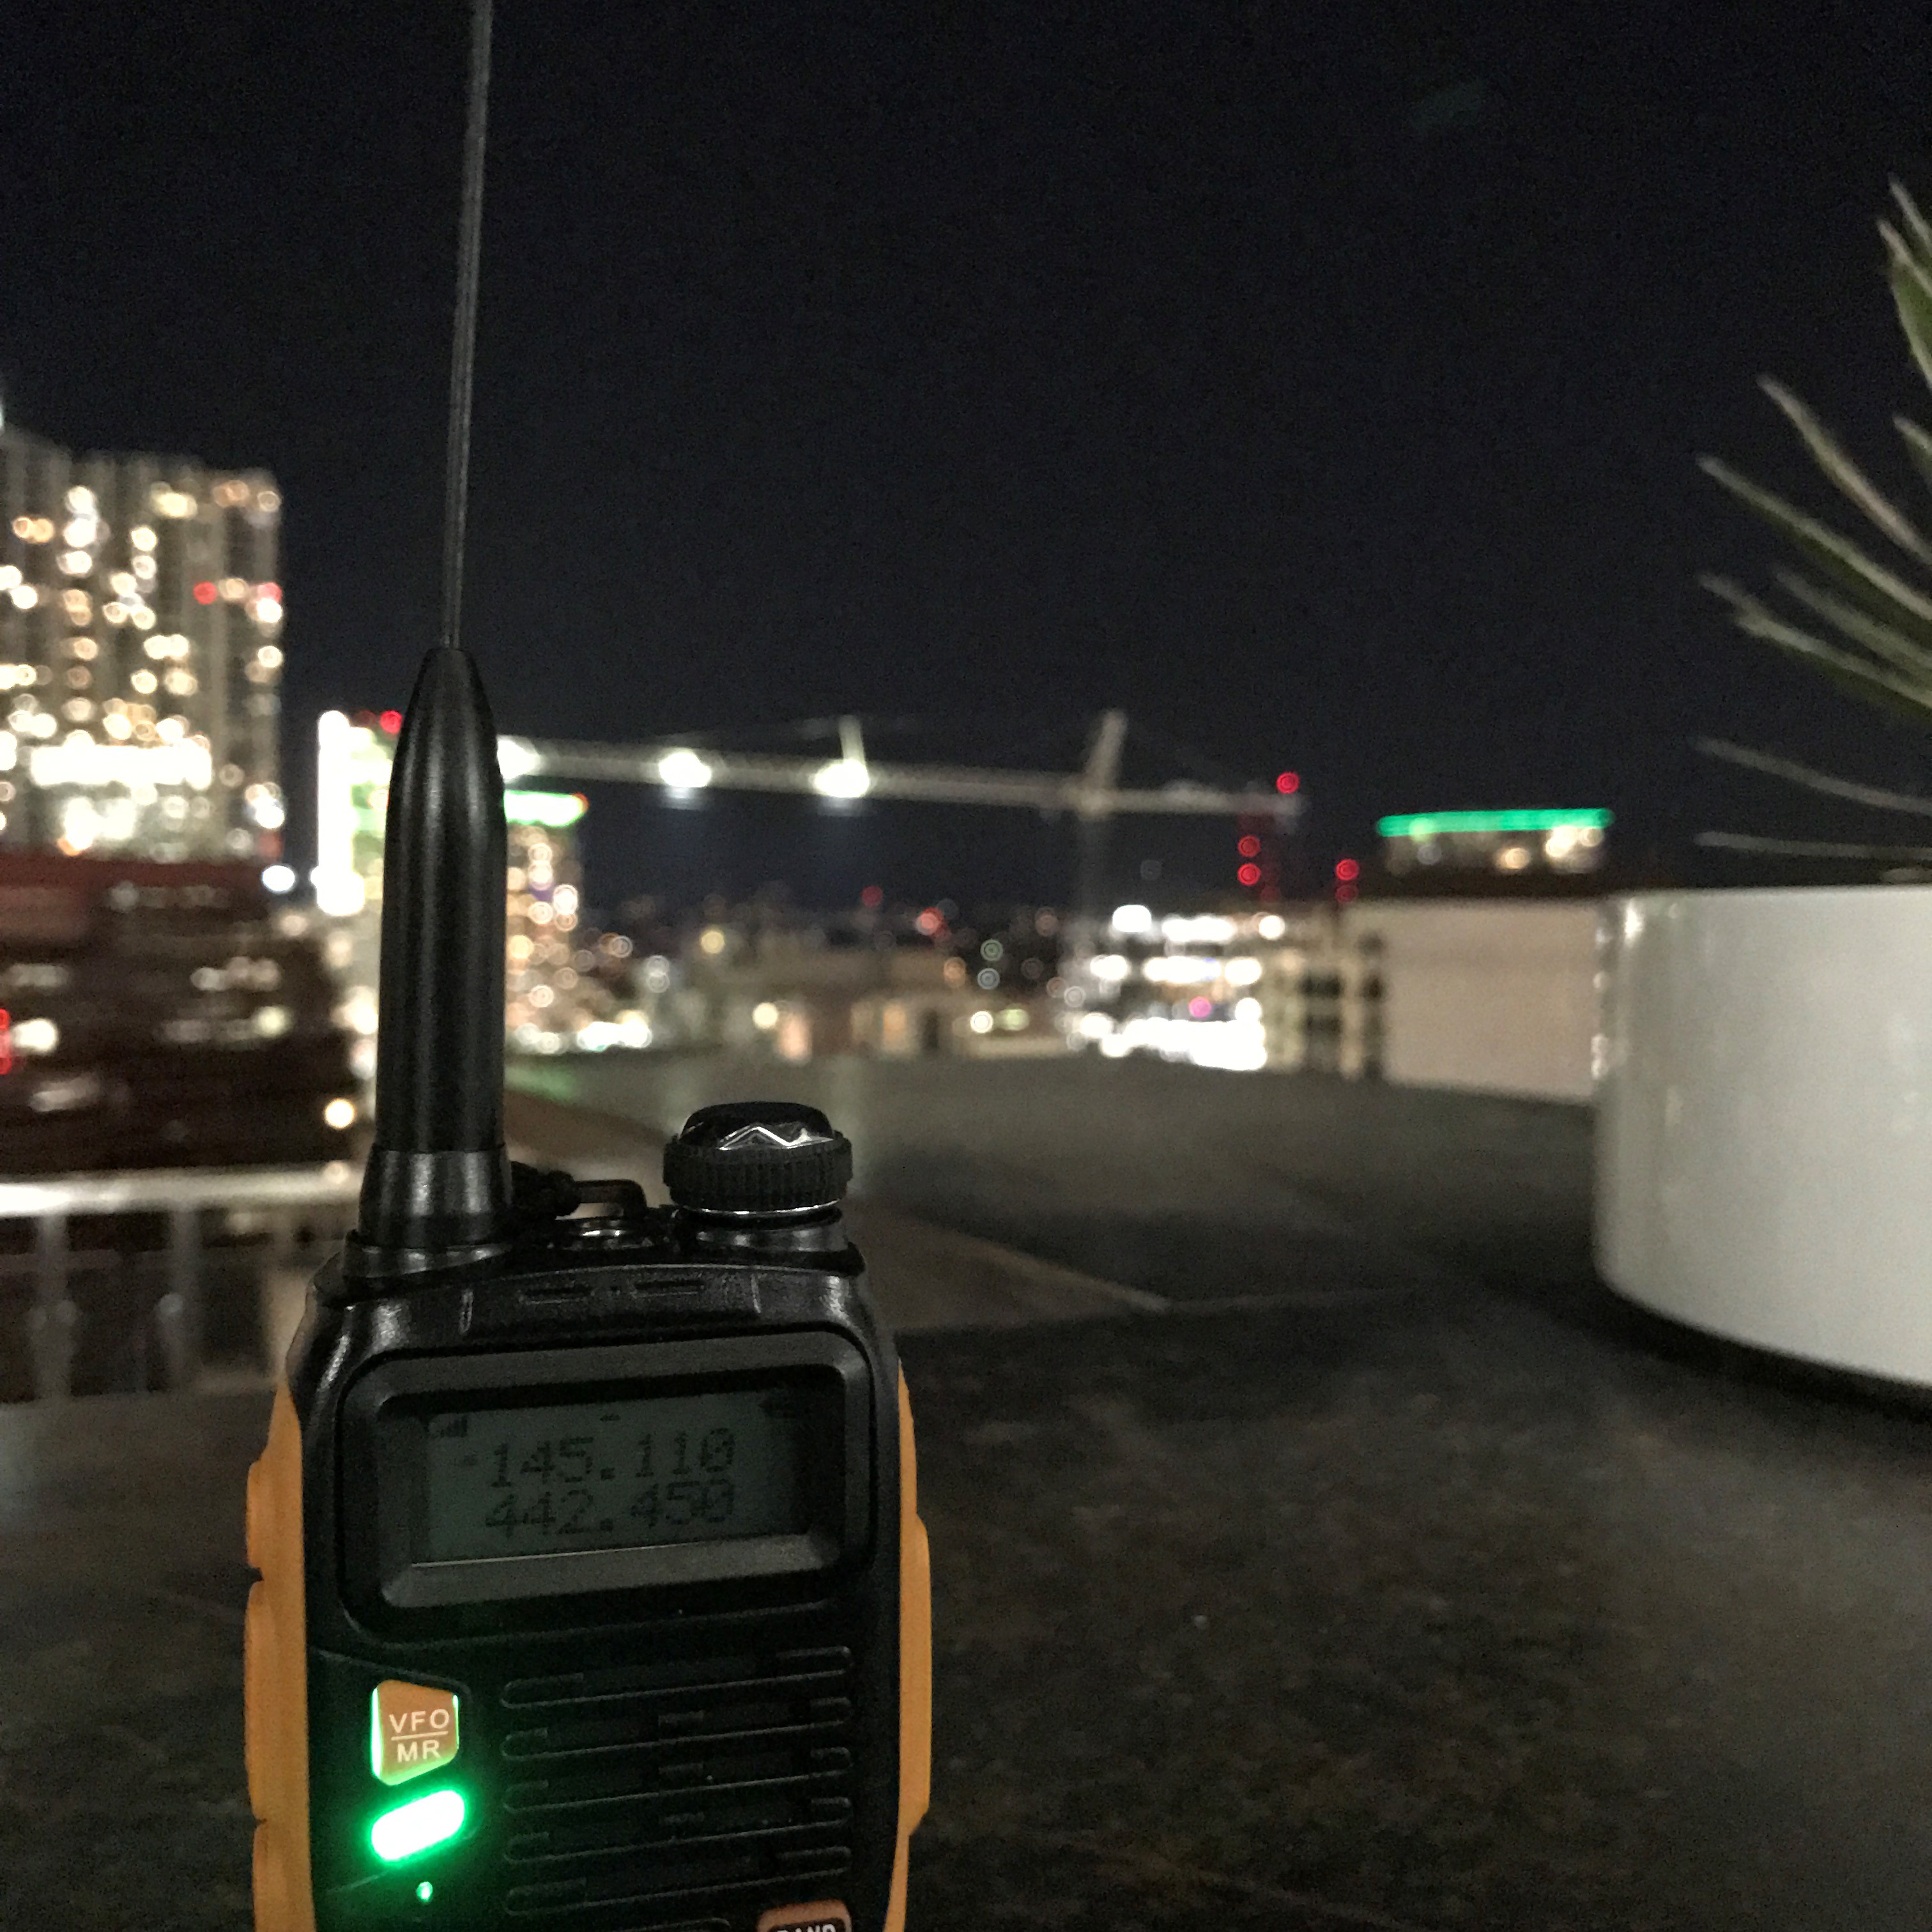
{"points": [[594, 1596], [593, 1592]]}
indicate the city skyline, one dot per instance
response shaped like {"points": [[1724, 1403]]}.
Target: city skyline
{"points": [[1326, 391]]}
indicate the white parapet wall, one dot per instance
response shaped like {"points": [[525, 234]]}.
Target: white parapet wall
{"points": [[1495, 996]]}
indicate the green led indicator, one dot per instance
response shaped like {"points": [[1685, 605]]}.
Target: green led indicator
{"points": [[425, 1892], [414, 1827], [1446, 824]]}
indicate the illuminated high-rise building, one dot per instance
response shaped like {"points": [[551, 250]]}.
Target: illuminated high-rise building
{"points": [[560, 980], [140, 655]]}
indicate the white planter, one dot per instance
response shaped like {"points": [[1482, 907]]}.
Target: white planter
{"points": [[1764, 1134]]}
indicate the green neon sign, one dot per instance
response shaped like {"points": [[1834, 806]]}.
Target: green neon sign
{"points": [[555, 809], [1447, 824], [415, 1827]]}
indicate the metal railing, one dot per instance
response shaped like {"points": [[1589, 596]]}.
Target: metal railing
{"points": [[278, 1196]]}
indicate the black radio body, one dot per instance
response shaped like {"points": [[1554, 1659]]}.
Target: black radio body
{"points": [[594, 1596]]}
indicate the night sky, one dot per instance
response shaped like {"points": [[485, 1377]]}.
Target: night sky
{"points": [[1322, 383]]}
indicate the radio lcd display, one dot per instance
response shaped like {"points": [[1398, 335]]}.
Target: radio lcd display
{"points": [[540, 1480]]}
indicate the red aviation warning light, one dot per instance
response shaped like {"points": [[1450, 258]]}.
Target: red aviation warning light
{"points": [[1259, 845]]}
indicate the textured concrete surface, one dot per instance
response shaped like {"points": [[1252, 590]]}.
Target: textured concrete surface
{"points": [[1397, 1578], [123, 1805]]}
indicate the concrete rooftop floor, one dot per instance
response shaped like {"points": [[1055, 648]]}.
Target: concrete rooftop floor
{"points": [[1396, 1576]]}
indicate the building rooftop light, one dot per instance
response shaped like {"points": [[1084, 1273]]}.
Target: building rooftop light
{"points": [[1448, 824]]}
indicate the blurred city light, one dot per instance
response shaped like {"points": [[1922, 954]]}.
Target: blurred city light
{"points": [[843, 777], [555, 809], [683, 770], [516, 758]]}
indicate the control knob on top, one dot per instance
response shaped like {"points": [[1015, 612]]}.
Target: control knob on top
{"points": [[758, 1157]]}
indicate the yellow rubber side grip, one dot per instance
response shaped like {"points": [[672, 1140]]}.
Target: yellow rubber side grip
{"points": [[275, 1679], [915, 1663]]}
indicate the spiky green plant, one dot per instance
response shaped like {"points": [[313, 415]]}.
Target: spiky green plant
{"points": [[1875, 638]]}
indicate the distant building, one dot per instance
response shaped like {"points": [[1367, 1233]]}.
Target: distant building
{"points": [[140, 655], [162, 1016], [564, 985], [1501, 845], [899, 981], [1286, 987]]}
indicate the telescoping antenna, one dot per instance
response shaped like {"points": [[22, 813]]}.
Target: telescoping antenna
{"points": [[437, 1185]]}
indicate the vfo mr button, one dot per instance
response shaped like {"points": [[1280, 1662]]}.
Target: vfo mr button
{"points": [[412, 1729], [828, 1915]]}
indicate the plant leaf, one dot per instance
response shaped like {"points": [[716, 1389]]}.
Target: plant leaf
{"points": [[1757, 619], [1830, 457], [1806, 848], [1881, 640], [1922, 232], [1918, 446], [1911, 291], [1793, 773], [1900, 605]]}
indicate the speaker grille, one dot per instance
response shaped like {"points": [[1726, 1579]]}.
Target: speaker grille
{"points": [[650, 1784]]}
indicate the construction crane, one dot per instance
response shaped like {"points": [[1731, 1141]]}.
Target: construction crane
{"points": [[1093, 794]]}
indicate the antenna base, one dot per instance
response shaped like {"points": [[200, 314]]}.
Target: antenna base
{"points": [[435, 1202]]}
